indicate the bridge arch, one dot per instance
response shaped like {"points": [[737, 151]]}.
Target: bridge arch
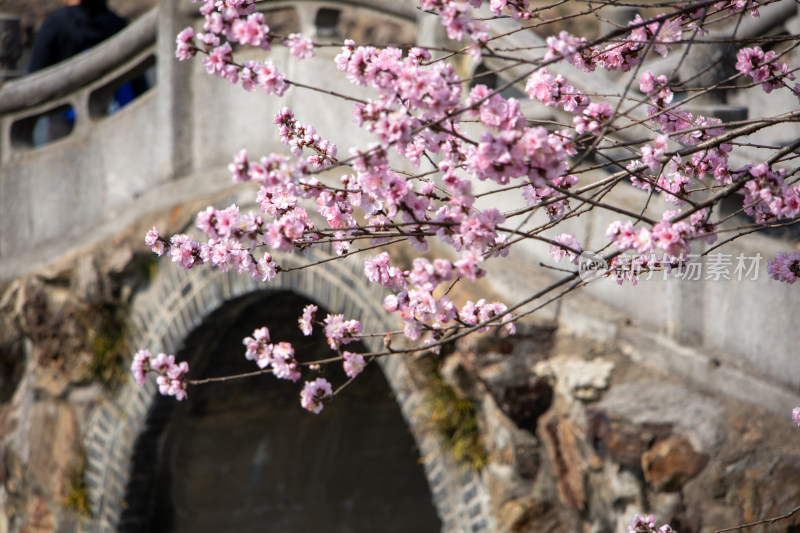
{"points": [[177, 302]]}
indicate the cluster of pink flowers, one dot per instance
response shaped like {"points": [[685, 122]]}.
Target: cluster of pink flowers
{"points": [[455, 17], [594, 118], [314, 393], [554, 91], [340, 331], [353, 363], [405, 85], [663, 33], [656, 88], [300, 46], [413, 293], [184, 251], [236, 21], [267, 77], [673, 182], [571, 48], [653, 155], [566, 246], [671, 237], [674, 175], [737, 6], [410, 93], [250, 31], [229, 233], [483, 312], [277, 357], [764, 68], [306, 320], [155, 242], [767, 196], [517, 151], [299, 136], [623, 54], [230, 224], [378, 270], [186, 48], [785, 267], [647, 524], [171, 376]]}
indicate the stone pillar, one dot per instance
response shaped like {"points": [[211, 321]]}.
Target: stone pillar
{"points": [[705, 66], [174, 94], [430, 31], [10, 46], [685, 303], [307, 14], [616, 17]]}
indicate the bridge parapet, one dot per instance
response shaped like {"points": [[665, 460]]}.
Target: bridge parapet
{"points": [[49, 190], [76, 187]]}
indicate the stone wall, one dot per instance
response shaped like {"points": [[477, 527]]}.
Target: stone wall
{"points": [[64, 351], [580, 431]]}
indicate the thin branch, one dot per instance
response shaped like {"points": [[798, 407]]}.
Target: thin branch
{"points": [[765, 521]]}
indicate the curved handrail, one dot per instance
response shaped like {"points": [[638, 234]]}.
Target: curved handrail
{"points": [[61, 79], [403, 8], [78, 71]]}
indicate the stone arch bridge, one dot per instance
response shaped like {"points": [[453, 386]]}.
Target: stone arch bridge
{"points": [[172, 145]]}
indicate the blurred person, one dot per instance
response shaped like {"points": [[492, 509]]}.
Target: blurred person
{"points": [[71, 30], [76, 27]]}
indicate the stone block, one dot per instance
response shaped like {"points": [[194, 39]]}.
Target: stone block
{"points": [[671, 462], [560, 436]]}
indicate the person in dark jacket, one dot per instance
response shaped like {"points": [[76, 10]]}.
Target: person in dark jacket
{"points": [[72, 30]]}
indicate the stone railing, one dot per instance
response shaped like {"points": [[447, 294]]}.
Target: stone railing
{"points": [[57, 186], [99, 172]]}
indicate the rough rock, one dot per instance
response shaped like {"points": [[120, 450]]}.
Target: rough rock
{"points": [[671, 462], [575, 377], [504, 371], [560, 436], [39, 517], [620, 440], [503, 435], [514, 455], [54, 429], [655, 403], [88, 283]]}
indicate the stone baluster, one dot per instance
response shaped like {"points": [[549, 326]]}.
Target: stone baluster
{"points": [[10, 46]]}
